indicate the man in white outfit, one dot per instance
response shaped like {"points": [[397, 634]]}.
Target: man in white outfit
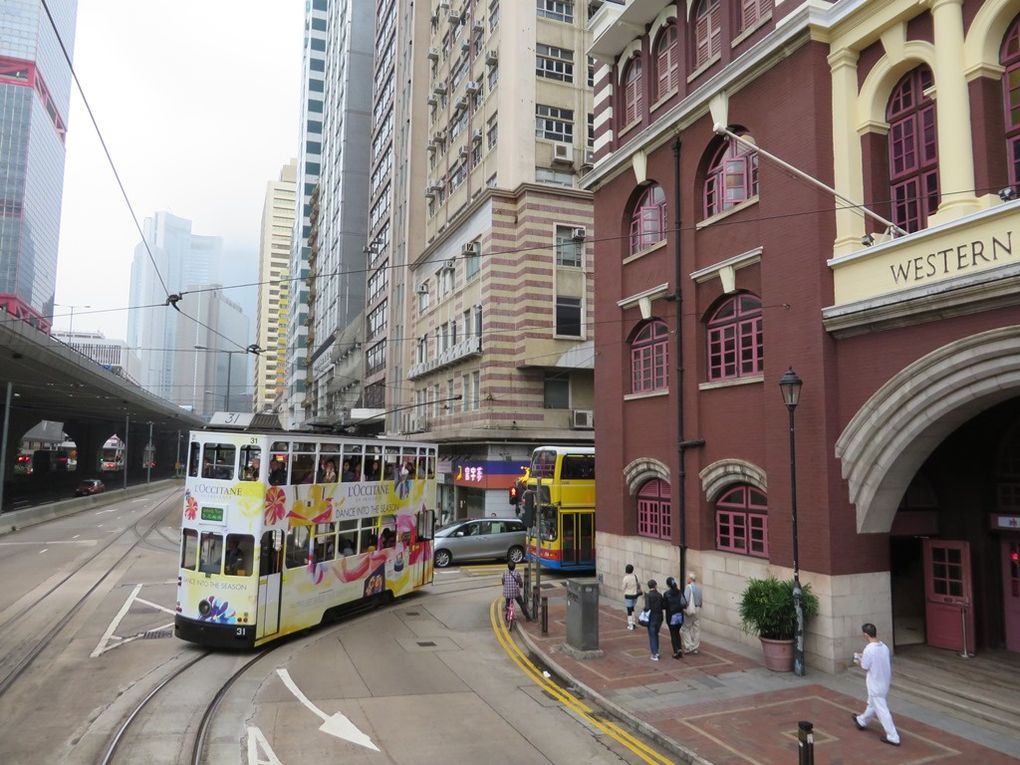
{"points": [[875, 660], [690, 633]]}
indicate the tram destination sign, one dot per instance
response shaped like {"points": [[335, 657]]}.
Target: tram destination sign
{"points": [[212, 514]]}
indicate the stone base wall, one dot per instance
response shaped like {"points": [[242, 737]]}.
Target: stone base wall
{"points": [[845, 602]]}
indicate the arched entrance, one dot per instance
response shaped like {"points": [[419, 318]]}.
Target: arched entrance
{"points": [[933, 460]]}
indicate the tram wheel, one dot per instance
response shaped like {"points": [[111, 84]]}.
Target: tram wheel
{"points": [[443, 558], [515, 554]]}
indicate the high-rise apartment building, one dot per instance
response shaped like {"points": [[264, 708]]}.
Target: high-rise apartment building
{"points": [[274, 289], [337, 311], [180, 260], [35, 88], [308, 168]]}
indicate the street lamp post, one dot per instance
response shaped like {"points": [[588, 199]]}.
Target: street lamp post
{"points": [[790, 385], [70, 321], [253, 348]]}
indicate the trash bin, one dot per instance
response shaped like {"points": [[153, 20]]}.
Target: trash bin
{"points": [[583, 614]]}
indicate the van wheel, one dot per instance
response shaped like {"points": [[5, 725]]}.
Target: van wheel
{"points": [[515, 554], [443, 558]]}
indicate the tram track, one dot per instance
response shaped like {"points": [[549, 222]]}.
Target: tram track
{"points": [[18, 663]]}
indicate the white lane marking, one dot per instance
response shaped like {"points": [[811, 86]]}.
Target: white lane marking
{"points": [[99, 649], [257, 741], [76, 536], [155, 605], [50, 542], [108, 510], [336, 725], [99, 525], [43, 550], [143, 499]]}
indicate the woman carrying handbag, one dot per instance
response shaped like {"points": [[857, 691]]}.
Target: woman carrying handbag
{"points": [[675, 605], [631, 592], [652, 616]]}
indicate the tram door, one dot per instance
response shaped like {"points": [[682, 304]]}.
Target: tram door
{"points": [[270, 582], [1011, 592], [949, 601], [578, 538]]}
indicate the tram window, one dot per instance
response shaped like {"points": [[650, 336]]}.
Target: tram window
{"points": [[352, 464], [270, 552], [327, 471], [194, 457], [251, 463], [432, 465], [189, 549], [578, 466], [373, 466], [238, 558], [278, 470], [388, 535], [302, 469], [218, 461], [297, 546], [347, 531], [210, 553], [407, 465], [391, 464], [367, 537], [324, 546], [329, 448]]}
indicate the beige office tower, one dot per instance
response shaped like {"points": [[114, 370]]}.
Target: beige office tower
{"points": [[486, 344], [275, 245]]}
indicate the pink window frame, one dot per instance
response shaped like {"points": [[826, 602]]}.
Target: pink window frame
{"points": [[667, 62], [913, 151], [707, 32], [1009, 57], [742, 525], [654, 503], [752, 11], [648, 221], [732, 178], [632, 92], [736, 339], [649, 358]]}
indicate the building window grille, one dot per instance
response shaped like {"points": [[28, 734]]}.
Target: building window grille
{"points": [[654, 506], [742, 522], [735, 339], [649, 358], [913, 151]]}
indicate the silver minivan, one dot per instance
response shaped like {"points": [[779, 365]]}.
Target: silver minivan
{"points": [[480, 539]]}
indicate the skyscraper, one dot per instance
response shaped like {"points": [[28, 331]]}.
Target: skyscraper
{"points": [[35, 87], [274, 288]]}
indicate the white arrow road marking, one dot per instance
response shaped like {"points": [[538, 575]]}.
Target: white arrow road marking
{"points": [[338, 725], [110, 641], [99, 649], [257, 741]]}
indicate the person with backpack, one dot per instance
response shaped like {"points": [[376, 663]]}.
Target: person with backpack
{"points": [[676, 603]]}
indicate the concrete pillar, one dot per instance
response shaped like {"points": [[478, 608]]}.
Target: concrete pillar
{"points": [[846, 145]]}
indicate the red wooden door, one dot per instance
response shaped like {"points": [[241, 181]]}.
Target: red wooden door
{"points": [[949, 602], [1011, 592]]}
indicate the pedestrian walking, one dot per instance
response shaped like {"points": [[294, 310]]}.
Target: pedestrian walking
{"points": [[675, 605], [875, 661], [654, 606], [691, 632], [631, 591]]}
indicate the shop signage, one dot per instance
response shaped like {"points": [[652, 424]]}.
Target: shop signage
{"points": [[1006, 522]]}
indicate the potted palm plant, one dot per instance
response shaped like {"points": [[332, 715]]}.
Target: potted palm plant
{"points": [[767, 610]]}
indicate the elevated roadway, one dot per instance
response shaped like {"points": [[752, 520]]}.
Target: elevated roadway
{"points": [[42, 378]]}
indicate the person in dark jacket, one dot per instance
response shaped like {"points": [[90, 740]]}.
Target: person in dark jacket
{"points": [[654, 604], [675, 605]]}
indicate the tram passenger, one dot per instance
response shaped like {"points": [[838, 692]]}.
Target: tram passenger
{"points": [[251, 473], [347, 474], [346, 548], [277, 473], [388, 538], [328, 474], [234, 562], [372, 471]]}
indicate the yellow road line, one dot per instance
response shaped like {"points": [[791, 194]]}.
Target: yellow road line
{"points": [[575, 705]]}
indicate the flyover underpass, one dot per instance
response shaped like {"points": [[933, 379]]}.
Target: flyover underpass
{"points": [[44, 379]]}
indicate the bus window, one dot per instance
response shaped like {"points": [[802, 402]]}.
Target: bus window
{"points": [[578, 466], [324, 546], [547, 522], [347, 532], [351, 470], [278, 470], [240, 549], [193, 459], [189, 549], [218, 461], [297, 546], [391, 464], [367, 536], [251, 463], [302, 468], [210, 553], [270, 553], [543, 464]]}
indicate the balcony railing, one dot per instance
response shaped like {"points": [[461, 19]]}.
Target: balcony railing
{"points": [[452, 355]]}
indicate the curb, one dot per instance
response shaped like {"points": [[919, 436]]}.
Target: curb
{"points": [[687, 755]]}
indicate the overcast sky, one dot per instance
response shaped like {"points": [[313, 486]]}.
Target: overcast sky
{"points": [[198, 103]]}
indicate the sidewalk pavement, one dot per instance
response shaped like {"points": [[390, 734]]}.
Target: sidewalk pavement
{"points": [[722, 706]]}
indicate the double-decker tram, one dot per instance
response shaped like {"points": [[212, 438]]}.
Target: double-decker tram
{"points": [[281, 529], [563, 481]]}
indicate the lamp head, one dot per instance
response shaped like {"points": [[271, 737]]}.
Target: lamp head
{"points": [[790, 385], [867, 240], [1007, 193]]}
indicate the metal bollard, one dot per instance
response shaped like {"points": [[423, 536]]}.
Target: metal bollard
{"points": [[805, 743], [545, 615], [536, 593]]}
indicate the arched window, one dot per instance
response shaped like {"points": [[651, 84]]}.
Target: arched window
{"points": [[732, 178], [753, 11], [667, 62], [648, 221], [654, 505], [632, 92], [735, 347], [707, 32], [742, 522], [1010, 59], [913, 151], [649, 358]]}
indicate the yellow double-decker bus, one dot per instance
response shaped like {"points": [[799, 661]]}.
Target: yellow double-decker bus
{"points": [[562, 479]]}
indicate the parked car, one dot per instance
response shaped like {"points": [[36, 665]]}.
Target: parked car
{"points": [[90, 486], [480, 539]]}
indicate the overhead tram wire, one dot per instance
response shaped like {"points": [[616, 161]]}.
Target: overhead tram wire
{"points": [[106, 150]]}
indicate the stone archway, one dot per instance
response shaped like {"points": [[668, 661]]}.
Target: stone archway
{"points": [[899, 426], [642, 470], [722, 474]]}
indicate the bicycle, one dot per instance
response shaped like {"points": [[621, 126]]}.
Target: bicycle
{"points": [[510, 614]]}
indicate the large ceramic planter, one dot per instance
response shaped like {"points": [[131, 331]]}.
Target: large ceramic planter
{"points": [[778, 654]]}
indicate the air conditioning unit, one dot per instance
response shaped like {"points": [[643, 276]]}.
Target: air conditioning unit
{"points": [[563, 152], [443, 8], [463, 153], [423, 288], [432, 101], [454, 17], [439, 89], [476, 137], [432, 189], [589, 157], [582, 419], [462, 103], [469, 248], [430, 147], [491, 58], [465, 45], [478, 26], [579, 234], [433, 54], [450, 264], [473, 86]]}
